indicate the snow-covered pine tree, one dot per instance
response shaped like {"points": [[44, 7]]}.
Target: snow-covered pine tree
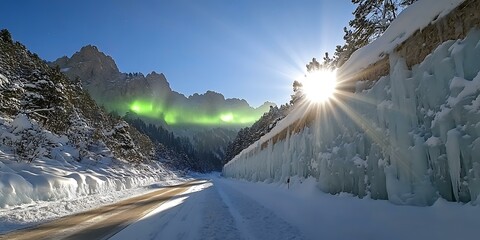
{"points": [[371, 19], [297, 92]]}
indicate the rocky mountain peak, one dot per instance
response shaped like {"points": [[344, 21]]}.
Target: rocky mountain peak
{"points": [[90, 65], [158, 81], [208, 120], [94, 68], [91, 54]]}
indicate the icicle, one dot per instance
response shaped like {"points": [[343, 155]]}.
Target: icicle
{"points": [[453, 156]]}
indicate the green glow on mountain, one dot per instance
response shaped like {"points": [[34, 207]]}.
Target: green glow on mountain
{"points": [[227, 117], [146, 108], [193, 115]]}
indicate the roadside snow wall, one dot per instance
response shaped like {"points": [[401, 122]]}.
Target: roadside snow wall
{"points": [[411, 136], [56, 173]]}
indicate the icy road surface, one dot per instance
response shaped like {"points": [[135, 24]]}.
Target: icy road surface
{"points": [[230, 209]]}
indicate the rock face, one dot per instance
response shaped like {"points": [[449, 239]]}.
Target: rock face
{"points": [[95, 68], [412, 137], [100, 76]]}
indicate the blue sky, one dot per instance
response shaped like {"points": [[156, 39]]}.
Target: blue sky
{"points": [[251, 49]]}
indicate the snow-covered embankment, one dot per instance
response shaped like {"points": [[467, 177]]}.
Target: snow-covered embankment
{"points": [[59, 175]]}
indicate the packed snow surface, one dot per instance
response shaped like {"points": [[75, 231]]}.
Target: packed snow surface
{"points": [[231, 209], [412, 137]]}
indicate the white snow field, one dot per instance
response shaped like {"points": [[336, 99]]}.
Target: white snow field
{"points": [[413, 137], [232, 209]]}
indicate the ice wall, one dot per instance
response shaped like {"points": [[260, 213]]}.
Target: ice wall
{"points": [[413, 137]]}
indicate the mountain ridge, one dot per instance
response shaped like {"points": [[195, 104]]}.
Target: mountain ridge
{"points": [[100, 76]]}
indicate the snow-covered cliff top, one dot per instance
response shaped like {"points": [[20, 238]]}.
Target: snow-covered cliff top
{"points": [[416, 17]]}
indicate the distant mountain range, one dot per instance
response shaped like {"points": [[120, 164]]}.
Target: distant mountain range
{"points": [[151, 96], [208, 120]]}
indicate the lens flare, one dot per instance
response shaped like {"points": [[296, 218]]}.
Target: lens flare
{"points": [[319, 86]]}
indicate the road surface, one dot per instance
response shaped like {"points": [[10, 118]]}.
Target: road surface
{"points": [[229, 209], [216, 209]]}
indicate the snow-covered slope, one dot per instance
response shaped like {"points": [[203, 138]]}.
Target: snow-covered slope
{"points": [[60, 175], [56, 143], [411, 138]]}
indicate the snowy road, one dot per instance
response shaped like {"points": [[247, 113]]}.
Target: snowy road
{"points": [[213, 210], [231, 209], [218, 208]]}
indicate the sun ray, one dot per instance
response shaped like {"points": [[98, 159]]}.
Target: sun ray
{"points": [[319, 86]]}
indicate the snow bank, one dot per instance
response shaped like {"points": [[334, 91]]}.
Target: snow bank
{"points": [[411, 138], [54, 179], [55, 172]]}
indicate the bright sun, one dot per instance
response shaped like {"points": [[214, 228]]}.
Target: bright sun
{"points": [[319, 86]]}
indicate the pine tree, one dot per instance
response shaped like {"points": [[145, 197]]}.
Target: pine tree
{"points": [[297, 92], [372, 18], [314, 65], [6, 36]]}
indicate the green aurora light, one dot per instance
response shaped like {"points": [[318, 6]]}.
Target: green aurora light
{"points": [[173, 116], [146, 108]]}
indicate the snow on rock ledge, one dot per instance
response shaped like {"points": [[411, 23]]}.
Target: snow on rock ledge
{"points": [[411, 138]]}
